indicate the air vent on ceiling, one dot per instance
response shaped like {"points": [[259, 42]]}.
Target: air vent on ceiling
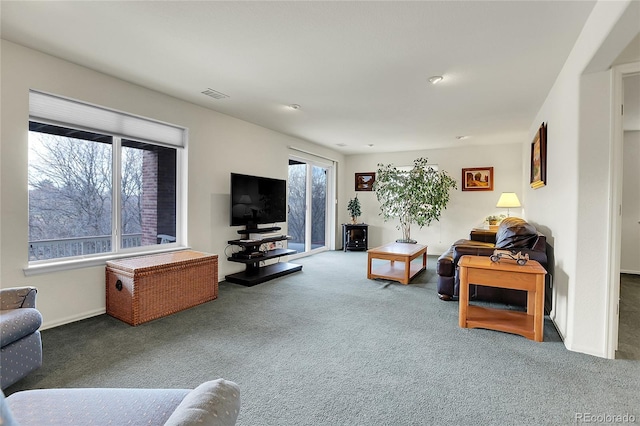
{"points": [[214, 94]]}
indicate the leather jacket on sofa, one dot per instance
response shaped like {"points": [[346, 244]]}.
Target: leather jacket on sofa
{"points": [[512, 234]]}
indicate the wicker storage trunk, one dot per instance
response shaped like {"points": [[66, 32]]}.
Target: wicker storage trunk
{"points": [[141, 289]]}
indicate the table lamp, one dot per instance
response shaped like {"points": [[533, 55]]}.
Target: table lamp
{"points": [[508, 200]]}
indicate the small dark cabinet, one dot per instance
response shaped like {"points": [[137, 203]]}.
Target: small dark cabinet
{"points": [[355, 236]]}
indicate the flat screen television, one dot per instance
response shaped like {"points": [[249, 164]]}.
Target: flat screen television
{"points": [[257, 200]]}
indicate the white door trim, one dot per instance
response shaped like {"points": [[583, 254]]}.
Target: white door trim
{"points": [[615, 199]]}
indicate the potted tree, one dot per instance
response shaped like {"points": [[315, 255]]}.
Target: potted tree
{"points": [[354, 209], [415, 196]]}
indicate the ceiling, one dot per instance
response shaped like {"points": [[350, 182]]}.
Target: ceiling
{"points": [[358, 69]]}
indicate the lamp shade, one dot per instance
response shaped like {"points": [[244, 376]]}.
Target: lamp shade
{"points": [[508, 200]]}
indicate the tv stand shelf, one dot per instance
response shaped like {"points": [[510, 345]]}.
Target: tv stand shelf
{"points": [[269, 254], [257, 243], [258, 230], [254, 273]]}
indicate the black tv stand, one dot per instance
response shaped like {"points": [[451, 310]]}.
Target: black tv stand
{"points": [[251, 256]]}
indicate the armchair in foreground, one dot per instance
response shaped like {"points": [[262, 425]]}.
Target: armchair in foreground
{"points": [[21, 345], [213, 403]]}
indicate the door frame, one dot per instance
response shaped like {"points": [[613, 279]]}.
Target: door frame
{"points": [[615, 207]]}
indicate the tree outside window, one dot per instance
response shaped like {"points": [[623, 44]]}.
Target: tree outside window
{"points": [[71, 187]]}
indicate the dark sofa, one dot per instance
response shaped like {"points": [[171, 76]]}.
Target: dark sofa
{"points": [[512, 234]]}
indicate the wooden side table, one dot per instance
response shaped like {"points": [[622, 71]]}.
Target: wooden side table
{"points": [[484, 235], [506, 273], [403, 253]]}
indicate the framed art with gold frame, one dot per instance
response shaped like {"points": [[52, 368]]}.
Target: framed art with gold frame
{"points": [[539, 158], [477, 179]]}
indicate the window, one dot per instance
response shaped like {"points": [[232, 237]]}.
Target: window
{"points": [[97, 186]]}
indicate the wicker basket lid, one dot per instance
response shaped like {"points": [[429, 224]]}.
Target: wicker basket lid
{"points": [[155, 260]]}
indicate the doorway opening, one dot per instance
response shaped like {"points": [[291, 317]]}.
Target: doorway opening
{"points": [[629, 297], [622, 109]]}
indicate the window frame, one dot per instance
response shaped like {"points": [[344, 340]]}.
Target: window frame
{"points": [[75, 262]]}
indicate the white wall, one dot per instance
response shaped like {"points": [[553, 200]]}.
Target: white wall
{"points": [[630, 253], [573, 208], [218, 145], [466, 210]]}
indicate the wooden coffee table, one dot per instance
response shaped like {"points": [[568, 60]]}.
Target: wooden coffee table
{"points": [[399, 256], [506, 273]]}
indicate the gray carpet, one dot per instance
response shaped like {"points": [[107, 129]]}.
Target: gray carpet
{"points": [[629, 322], [326, 346]]}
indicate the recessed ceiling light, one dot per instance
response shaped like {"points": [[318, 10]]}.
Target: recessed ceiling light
{"points": [[435, 79], [462, 137], [294, 106], [341, 144], [370, 145]]}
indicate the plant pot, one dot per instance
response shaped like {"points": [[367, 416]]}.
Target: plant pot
{"points": [[354, 220]]}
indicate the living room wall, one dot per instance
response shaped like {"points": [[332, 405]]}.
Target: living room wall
{"points": [[573, 208], [218, 144], [466, 210]]}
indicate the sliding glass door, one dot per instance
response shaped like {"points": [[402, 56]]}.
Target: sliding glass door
{"points": [[297, 205], [308, 213]]}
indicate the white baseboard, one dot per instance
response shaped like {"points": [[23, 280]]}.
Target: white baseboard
{"points": [[626, 271], [73, 318]]}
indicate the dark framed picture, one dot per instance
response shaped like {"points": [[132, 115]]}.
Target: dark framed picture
{"points": [[539, 158], [364, 181], [477, 179]]}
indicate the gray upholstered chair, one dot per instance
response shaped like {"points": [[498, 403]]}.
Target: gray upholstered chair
{"points": [[213, 403], [21, 350]]}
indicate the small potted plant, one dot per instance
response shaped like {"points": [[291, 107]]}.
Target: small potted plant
{"points": [[354, 209], [495, 219]]}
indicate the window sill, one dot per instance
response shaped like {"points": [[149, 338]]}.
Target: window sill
{"points": [[47, 267]]}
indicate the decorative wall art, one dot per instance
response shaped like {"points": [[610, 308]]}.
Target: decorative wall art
{"points": [[364, 181], [539, 158], [477, 179]]}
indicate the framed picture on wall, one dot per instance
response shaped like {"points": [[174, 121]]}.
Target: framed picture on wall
{"points": [[477, 179], [539, 158], [364, 181]]}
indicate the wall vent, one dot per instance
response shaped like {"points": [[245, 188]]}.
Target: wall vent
{"points": [[214, 94]]}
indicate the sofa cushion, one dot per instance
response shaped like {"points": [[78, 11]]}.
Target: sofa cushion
{"points": [[514, 233], [216, 402], [17, 323], [17, 297], [94, 406], [6, 416]]}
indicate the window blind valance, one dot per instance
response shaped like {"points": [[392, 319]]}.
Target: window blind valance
{"points": [[58, 110]]}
